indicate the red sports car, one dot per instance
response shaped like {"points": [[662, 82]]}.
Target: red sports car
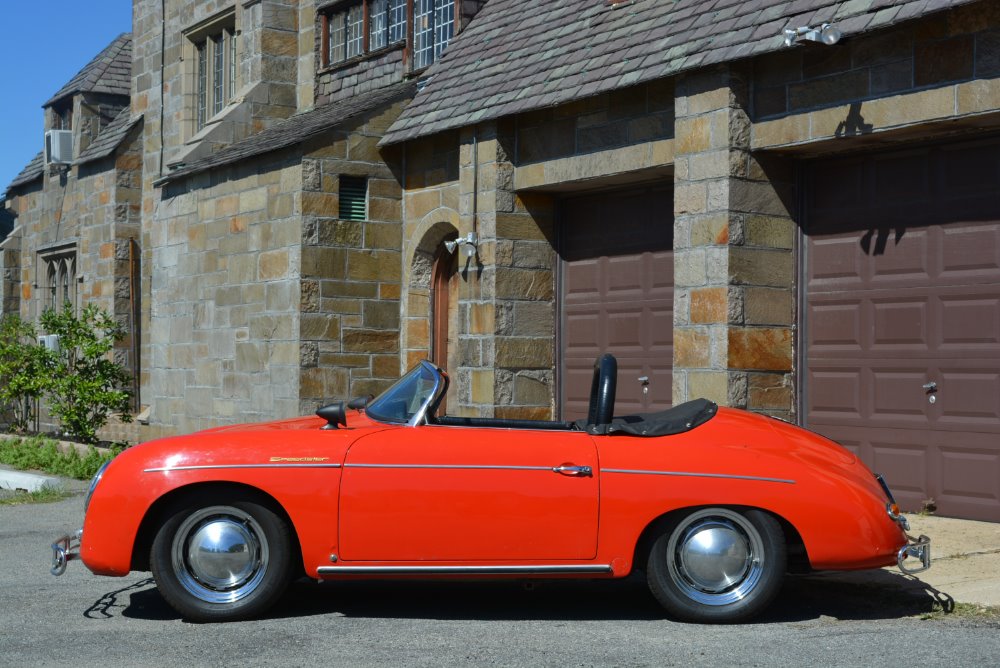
{"points": [[714, 504]]}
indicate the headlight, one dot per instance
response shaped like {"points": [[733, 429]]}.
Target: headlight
{"points": [[93, 485]]}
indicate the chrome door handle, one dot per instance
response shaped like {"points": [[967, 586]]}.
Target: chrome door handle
{"points": [[930, 387], [569, 469]]}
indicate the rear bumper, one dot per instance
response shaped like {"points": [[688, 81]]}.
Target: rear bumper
{"points": [[919, 548], [64, 550]]}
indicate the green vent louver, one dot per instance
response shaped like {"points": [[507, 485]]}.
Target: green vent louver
{"points": [[353, 198]]}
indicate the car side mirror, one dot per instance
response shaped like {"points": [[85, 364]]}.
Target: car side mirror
{"points": [[334, 415]]}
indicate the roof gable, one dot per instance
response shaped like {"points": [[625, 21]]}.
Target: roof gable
{"points": [[109, 72]]}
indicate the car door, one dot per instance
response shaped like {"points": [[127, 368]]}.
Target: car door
{"points": [[440, 493]]}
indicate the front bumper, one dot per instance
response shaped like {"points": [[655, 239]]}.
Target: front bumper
{"points": [[65, 550], [919, 548]]}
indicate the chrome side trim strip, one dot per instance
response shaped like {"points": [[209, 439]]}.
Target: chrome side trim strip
{"points": [[241, 466], [691, 474], [488, 467], [464, 570]]}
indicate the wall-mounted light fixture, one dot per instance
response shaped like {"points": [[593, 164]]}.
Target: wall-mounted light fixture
{"points": [[825, 34], [466, 243]]}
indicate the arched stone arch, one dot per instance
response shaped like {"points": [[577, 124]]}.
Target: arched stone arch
{"points": [[423, 244]]}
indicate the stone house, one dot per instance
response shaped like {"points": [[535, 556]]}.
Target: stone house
{"points": [[75, 206], [785, 206], [789, 207]]}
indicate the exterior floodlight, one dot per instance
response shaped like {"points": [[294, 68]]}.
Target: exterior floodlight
{"points": [[825, 34], [467, 244]]}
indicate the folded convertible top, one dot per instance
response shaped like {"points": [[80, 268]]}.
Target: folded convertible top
{"points": [[676, 420]]}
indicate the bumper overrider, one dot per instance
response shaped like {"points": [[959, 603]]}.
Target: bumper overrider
{"points": [[919, 548], [65, 550]]}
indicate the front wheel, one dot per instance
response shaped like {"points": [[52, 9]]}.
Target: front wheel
{"points": [[221, 562], [717, 565]]}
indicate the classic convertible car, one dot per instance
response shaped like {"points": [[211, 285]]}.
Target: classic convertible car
{"points": [[714, 504]]}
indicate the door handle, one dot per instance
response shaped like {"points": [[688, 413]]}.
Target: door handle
{"points": [[930, 387], [571, 470]]}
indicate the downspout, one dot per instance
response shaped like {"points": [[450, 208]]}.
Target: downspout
{"points": [[163, 58]]}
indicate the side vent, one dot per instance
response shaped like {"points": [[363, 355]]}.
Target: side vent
{"points": [[353, 197], [58, 147]]}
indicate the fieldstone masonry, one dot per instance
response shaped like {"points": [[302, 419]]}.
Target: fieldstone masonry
{"points": [[734, 268]]}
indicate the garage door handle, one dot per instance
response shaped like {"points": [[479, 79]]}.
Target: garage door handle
{"points": [[568, 469], [930, 387]]}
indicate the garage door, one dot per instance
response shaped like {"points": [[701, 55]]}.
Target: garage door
{"points": [[616, 287], [903, 319]]}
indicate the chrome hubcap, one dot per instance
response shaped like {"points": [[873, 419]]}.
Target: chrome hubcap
{"points": [[715, 557], [219, 554]]}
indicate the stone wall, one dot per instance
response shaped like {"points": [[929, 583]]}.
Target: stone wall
{"points": [[351, 269], [959, 45], [224, 317], [625, 117], [733, 261]]}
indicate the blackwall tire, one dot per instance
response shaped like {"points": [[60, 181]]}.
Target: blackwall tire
{"points": [[717, 564], [222, 561]]}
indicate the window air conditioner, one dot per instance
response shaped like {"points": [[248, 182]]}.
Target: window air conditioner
{"points": [[49, 341], [58, 147]]}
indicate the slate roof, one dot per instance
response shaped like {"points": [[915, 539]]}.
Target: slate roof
{"points": [[110, 137], [109, 72], [517, 56], [295, 129], [31, 171]]}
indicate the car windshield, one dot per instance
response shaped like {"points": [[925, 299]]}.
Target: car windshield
{"points": [[408, 398]]}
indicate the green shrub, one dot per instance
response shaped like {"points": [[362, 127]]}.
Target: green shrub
{"points": [[23, 373], [85, 385], [43, 454]]}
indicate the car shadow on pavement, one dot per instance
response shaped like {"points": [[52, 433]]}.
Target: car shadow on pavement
{"points": [[862, 595]]}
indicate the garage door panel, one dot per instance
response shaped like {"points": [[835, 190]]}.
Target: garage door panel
{"points": [[968, 398], [901, 256], [900, 324], [836, 264], [834, 393], [835, 326], [897, 395], [970, 476], [970, 322], [625, 330], [893, 302], [967, 249]]}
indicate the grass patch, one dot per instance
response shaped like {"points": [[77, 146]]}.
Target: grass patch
{"points": [[44, 495], [43, 454], [965, 611]]}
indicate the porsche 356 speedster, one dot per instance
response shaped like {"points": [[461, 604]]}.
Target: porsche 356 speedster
{"points": [[715, 505]]}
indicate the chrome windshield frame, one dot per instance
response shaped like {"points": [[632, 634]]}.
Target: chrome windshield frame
{"points": [[419, 416]]}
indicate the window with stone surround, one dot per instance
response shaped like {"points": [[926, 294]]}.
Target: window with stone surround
{"points": [[214, 77], [58, 267], [351, 29]]}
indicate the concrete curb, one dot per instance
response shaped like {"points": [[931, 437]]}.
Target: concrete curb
{"points": [[29, 482]]}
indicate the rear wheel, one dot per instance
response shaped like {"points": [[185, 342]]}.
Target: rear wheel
{"points": [[717, 565], [222, 562]]}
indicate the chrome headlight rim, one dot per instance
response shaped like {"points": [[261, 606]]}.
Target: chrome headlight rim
{"points": [[93, 485]]}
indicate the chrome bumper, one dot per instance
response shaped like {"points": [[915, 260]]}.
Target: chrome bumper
{"points": [[65, 550], [919, 548]]}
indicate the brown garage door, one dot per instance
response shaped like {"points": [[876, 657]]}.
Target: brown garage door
{"points": [[903, 319], [617, 296]]}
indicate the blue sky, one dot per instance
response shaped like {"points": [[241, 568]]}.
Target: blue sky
{"points": [[44, 43]]}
